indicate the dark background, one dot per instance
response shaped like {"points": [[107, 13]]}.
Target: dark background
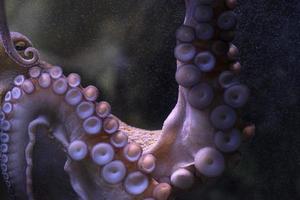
{"points": [[125, 48]]}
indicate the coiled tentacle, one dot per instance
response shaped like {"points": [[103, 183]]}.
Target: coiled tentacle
{"points": [[9, 47]]}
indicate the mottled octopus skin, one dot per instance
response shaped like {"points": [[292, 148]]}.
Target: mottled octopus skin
{"points": [[108, 159]]}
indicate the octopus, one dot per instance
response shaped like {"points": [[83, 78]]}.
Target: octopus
{"points": [[105, 157]]}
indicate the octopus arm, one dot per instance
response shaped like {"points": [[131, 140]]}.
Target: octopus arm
{"points": [[202, 134], [101, 161], [109, 159], [9, 46]]}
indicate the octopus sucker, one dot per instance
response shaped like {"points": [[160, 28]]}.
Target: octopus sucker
{"points": [[108, 159]]}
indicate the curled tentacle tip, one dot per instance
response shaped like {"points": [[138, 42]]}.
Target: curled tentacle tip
{"points": [[17, 45], [32, 54]]}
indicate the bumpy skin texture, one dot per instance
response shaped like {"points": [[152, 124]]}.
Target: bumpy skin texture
{"points": [[107, 159]]}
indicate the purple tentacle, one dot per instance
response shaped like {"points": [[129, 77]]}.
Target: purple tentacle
{"points": [[8, 44]]}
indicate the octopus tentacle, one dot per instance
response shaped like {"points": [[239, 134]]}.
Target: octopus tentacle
{"points": [[86, 130], [109, 159], [9, 47], [202, 132]]}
